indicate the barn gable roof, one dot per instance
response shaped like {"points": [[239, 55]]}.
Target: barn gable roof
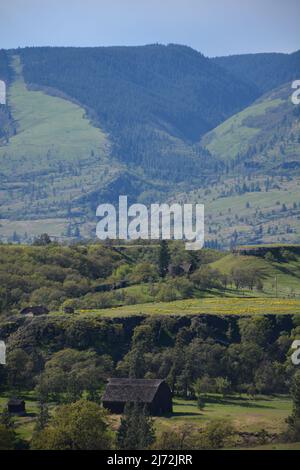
{"points": [[35, 310], [131, 390], [15, 402]]}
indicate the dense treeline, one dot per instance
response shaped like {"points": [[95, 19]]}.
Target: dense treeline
{"points": [[64, 357], [266, 71], [66, 361], [5, 70], [44, 274]]}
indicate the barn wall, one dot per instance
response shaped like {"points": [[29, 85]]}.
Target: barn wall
{"points": [[162, 403]]}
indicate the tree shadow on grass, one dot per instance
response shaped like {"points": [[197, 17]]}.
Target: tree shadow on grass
{"points": [[177, 414], [239, 401]]}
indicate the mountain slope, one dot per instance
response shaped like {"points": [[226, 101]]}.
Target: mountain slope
{"points": [[256, 198], [57, 167], [264, 135], [86, 125], [55, 156], [155, 101], [264, 71]]}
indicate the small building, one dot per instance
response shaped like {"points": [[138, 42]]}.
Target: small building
{"points": [[34, 311], [155, 394], [68, 309], [180, 269], [16, 406], [109, 286]]}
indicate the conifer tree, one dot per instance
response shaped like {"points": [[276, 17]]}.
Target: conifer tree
{"points": [[136, 431], [164, 258]]}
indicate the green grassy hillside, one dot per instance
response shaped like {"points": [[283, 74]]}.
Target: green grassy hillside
{"points": [[50, 130], [257, 198], [55, 157], [280, 294], [269, 130], [58, 166], [234, 135], [113, 281], [286, 274]]}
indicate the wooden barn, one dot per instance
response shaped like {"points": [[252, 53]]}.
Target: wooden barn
{"points": [[154, 393], [34, 311], [16, 406], [180, 269]]}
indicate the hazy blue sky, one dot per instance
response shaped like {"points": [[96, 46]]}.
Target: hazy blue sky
{"points": [[215, 27]]}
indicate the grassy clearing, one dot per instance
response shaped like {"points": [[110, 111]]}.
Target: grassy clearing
{"points": [[24, 425], [286, 273], [251, 415]]}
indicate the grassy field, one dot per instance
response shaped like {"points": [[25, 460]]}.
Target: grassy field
{"points": [[212, 306], [284, 275], [249, 415], [247, 212], [24, 425]]}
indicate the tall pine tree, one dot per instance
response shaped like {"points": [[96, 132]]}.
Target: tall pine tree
{"points": [[136, 431], [164, 258]]}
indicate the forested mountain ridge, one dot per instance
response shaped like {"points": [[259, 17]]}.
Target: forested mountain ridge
{"points": [[265, 70], [154, 101], [178, 88]]}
